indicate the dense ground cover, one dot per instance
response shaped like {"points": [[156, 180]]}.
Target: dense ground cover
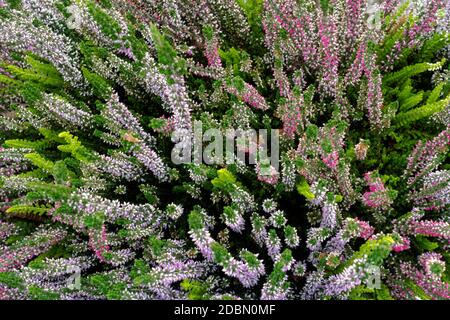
{"points": [[95, 94]]}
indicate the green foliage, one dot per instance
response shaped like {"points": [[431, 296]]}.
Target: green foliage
{"points": [[40, 162], [225, 180], [304, 189], [36, 145], [196, 290], [39, 73], [253, 10], [75, 148], [277, 276], [38, 293], [94, 221], [108, 25], [99, 84], [375, 251], [11, 279], [28, 210], [365, 293], [423, 243], [405, 118], [418, 291], [410, 71], [107, 286], [233, 59], [195, 220], [167, 55], [221, 254]]}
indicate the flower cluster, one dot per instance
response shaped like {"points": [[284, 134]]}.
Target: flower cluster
{"points": [[97, 98]]}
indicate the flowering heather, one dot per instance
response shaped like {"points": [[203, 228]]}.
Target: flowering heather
{"points": [[224, 149]]}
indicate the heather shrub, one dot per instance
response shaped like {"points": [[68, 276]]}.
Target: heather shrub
{"points": [[98, 99]]}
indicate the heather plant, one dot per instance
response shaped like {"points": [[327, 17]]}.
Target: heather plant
{"points": [[94, 95]]}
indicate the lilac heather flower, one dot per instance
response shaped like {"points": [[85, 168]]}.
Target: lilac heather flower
{"points": [[278, 219], [174, 96], [340, 284], [269, 205], [299, 269], [200, 235], [432, 263], [277, 286], [425, 156], [7, 229], [329, 215], [169, 272], [174, 211], [19, 34], [120, 165], [315, 237], [259, 232], [248, 273], [313, 288], [435, 192], [291, 237], [150, 159], [54, 273], [30, 246], [242, 199], [120, 118], [233, 219], [59, 109], [273, 244]]}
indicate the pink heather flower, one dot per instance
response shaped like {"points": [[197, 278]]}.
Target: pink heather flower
{"points": [[403, 245], [377, 196], [212, 53], [432, 285], [250, 96], [331, 159], [438, 229], [291, 116], [358, 68], [327, 34], [98, 242], [366, 231]]}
